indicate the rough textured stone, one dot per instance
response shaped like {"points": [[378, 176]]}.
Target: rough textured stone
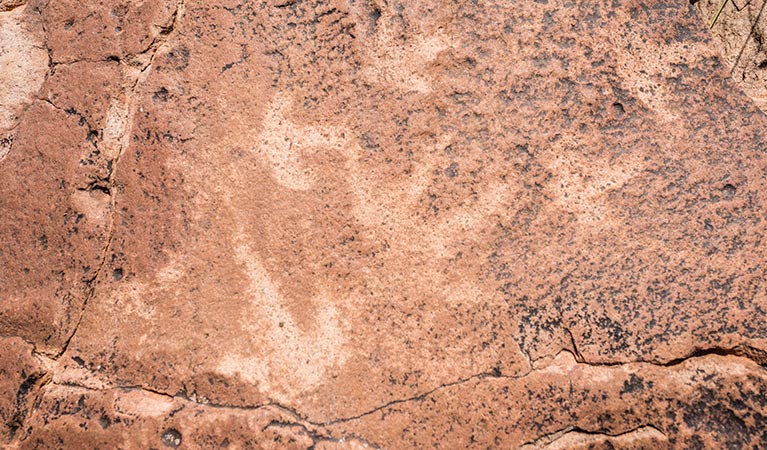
{"points": [[364, 224], [21, 376], [739, 33], [571, 405], [111, 418]]}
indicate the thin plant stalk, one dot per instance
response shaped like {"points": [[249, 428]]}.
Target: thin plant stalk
{"points": [[716, 16]]}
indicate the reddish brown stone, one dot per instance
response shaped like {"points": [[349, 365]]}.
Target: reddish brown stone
{"points": [[111, 418], [56, 205], [21, 376], [111, 29], [396, 225], [569, 405]]}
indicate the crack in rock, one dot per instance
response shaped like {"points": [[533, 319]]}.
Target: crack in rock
{"points": [[571, 437], [121, 139], [695, 355], [9, 5], [318, 430], [422, 396]]}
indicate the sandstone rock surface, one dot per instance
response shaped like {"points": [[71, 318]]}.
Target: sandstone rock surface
{"points": [[379, 224], [739, 33]]}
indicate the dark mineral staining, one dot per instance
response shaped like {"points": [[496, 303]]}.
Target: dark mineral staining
{"points": [[375, 14], [452, 170], [177, 59], [161, 95], [79, 361], [728, 191], [171, 438], [92, 135], [20, 413], [633, 384]]}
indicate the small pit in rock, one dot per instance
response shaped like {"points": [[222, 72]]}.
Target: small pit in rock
{"points": [[728, 191], [171, 438]]}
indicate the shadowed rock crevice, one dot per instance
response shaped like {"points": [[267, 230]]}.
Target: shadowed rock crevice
{"points": [[489, 375], [646, 435], [344, 430], [8, 5]]}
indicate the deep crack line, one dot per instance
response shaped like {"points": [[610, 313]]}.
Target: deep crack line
{"points": [[753, 354], [734, 352], [322, 427], [419, 397], [124, 140], [148, 390], [316, 433], [578, 435]]}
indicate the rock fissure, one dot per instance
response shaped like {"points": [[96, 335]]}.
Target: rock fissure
{"points": [[489, 375], [545, 441], [318, 436], [748, 352], [424, 395], [149, 390], [130, 99]]}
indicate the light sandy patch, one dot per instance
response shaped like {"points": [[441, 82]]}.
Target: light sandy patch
{"points": [[23, 64], [114, 134], [143, 403], [129, 299], [286, 361], [93, 204], [283, 142]]}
